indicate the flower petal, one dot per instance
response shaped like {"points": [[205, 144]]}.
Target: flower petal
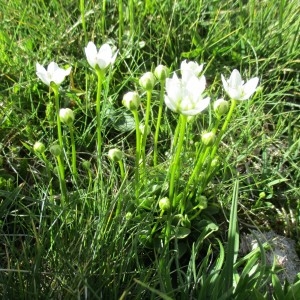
{"points": [[52, 67], [195, 87], [190, 69], [235, 79], [104, 56], [225, 84], [91, 54], [42, 74], [60, 74], [173, 88], [170, 104], [201, 105], [249, 88]]}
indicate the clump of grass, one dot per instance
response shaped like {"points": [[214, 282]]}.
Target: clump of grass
{"points": [[113, 240]]}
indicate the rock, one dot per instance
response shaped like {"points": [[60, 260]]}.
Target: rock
{"points": [[282, 251]]}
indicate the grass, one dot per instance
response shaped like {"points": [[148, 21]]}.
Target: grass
{"points": [[84, 249]]}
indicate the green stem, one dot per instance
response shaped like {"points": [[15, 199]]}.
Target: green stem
{"points": [[83, 20], [223, 129], [48, 170], [131, 17], [121, 23], [138, 151], [59, 133], [60, 140], [103, 17], [149, 95], [62, 180], [176, 159], [100, 75], [120, 197], [202, 155], [74, 168], [217, 142], [122, 171], [160, 109]]}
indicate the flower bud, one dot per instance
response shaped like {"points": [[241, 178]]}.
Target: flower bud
{"points": [[39, 147], [142, 129], [202, 202], [86, 164], [147, 81], [66, 116], [164, 204], [221, 107], [208, 138], [215, 162], [55, 150], [131, 100], [128, 216], [161, 72], [115, 155], [262, 195]]}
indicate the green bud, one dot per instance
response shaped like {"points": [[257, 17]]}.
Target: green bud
{"points": [[208, 138], [39, 147], [131, 100], [115, 155], [221, 107], [262, 195], [164, 204], [66, 116], [128, 216], [142, 129], [202, 202], [55, 150], [147, 81], [161, 72], [215, 162], [86, 164]]}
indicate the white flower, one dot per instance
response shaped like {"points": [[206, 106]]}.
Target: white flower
{"points": [[189, 69], [66, 116], [235, 87], [186, 97], [131, 100], [53, 73], [102, 58]]}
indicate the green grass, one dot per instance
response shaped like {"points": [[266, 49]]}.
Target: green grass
{"points": [[84, 249]]}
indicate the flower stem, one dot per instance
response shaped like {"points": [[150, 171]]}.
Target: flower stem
{"points": [[62, 180], [122, 171], [217, 142], [202, 154], [83, 20], [121, 23], [137, 153], [103, 18], [59, 133], [224, 127], [48, 170], [143, 152], [160, 109], [74, 168], [175, 163], [100, 76], [131, 17], [60, 140]]}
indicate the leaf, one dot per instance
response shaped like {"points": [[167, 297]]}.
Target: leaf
{"points": [[157, 292], [124, 122], [182, 232]]}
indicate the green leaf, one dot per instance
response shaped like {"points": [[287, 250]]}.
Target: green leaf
{"points": [[157, 292], [124, 122], [182, 232]]}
